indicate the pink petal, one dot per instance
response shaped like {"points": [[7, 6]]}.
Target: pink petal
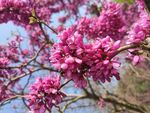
{"points": [[116, 64], [105, 62], [69, 60], [79, 61], [116, 45], [135, 59], [64, 66]]}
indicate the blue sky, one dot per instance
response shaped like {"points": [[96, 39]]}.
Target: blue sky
{"points": [[7, 30]]}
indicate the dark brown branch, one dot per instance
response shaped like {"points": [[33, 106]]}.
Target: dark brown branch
{"points": [[108, 98], [54, 31]]}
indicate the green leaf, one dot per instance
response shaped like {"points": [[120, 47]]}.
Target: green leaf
{"points": [[33, 13], [125, 1], [32, 20]]}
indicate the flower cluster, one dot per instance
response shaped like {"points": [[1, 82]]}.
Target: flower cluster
{"points": [[110, 23], [19, 11], [4, 92], [114, 21], [134, 58], [138, 32], [103, 66], [8, 54], [4, 61], [140, 29], [78, 59], [44, 94], [15, 10], [130, 13]]}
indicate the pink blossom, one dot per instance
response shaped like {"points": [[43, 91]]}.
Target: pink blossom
{"points": [[111, 23], [140, 30], [101, 103], [78, 60], [45, 92], [135, 59]]}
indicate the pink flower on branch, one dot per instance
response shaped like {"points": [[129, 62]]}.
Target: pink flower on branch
{"points": [[44, 94], [78, 59]]}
